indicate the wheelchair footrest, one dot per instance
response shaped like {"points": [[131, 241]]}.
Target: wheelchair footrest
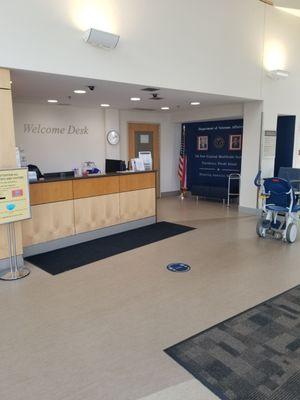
{"points": [[266, 224]]}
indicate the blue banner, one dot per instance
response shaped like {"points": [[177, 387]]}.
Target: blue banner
{"points": [[214, 150]]}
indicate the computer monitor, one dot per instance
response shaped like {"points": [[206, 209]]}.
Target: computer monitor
{"points": [[114, 165]]}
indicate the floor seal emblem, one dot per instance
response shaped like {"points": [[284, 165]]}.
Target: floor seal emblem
{"points": [[178, 267]]}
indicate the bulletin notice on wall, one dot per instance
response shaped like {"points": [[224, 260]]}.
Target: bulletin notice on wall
{"points": [[14, 195], [270, 144]]}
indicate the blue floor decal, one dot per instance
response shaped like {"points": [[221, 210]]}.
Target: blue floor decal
{"points": [[178, 267]]}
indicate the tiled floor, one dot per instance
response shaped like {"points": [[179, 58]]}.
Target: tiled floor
{"points": [[98, 332]]}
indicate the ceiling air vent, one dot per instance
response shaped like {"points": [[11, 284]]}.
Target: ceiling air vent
{"points": [[270, 2]]}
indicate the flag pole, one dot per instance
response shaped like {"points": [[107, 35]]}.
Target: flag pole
{"points": [[182, 168]]}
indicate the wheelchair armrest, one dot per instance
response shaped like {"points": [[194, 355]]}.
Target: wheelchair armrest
{"points": [[265, 195]]}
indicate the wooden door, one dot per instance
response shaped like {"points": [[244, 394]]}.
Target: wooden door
{"points": [[145, 137]]}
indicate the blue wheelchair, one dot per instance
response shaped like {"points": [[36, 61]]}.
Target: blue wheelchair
{"points": [[279, 213]]}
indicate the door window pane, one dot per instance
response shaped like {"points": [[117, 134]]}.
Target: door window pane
{"points": [[144, 139], [143, 142]]}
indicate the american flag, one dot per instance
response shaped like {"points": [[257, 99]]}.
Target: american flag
{"points": [[182, 162]]}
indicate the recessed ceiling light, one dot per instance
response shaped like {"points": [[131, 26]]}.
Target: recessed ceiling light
{"points": [[79, 91], [135, 98], [165, 108], [52, 101], [11, 82], [195, 103], [105, 105]]}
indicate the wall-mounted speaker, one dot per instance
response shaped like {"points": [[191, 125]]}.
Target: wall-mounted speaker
{"points": [[102, 39]]}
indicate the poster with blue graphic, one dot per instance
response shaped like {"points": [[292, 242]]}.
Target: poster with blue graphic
{"points": [[214, 151]]}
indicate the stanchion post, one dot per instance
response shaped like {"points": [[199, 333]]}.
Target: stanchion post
{"points": [[8, 231], [15, 272]]}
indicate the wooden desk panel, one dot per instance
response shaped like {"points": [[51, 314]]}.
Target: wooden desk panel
{"points": [[70, 207], [137, 182], [137, 204], [50, 192], [5, 79], [96, 212], [49, 221], [95, 187]]}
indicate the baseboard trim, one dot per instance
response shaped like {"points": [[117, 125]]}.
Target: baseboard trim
{"points": [[5, 263], [170, 194], [84, 237], [249, 210]]}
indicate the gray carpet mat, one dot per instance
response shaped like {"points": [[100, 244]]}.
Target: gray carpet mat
{"points": [[252, 356]]}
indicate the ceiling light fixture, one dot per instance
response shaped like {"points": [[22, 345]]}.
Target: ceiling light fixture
{"points": [[165, 108], [292, 11], [105, 105], [52, 101], [79, 91], [195, 103], [278, 74], [135, 98]]}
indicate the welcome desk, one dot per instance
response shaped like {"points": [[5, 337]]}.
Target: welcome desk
{"points": [[72, 210]]}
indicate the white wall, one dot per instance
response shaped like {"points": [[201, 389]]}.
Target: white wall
{"points": [[64, 152], [54, 152], [211, 46], [267, 167], [208, 46], [209, 113], [61, 152], [112, 122], [250, 156], [281, 97]]}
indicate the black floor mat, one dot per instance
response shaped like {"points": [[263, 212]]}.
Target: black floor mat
{"points": [[61, 260], [254, 355]]}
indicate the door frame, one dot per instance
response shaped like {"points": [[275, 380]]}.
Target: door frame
{"points": [[156, 166]]}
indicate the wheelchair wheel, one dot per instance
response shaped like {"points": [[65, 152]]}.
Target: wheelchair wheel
{"points": [[260, 230], [291, 233]]}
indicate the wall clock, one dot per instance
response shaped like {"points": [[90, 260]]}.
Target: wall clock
{"points": [[113, 137]]}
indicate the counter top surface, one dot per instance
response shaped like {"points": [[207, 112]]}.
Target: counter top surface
{"points": [[72, 178]]}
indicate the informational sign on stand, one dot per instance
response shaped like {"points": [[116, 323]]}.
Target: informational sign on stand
{"points": [[14, 195], [146, 156]]}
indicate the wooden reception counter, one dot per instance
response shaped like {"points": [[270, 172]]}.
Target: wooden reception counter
{"points": [[71, 210]]}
